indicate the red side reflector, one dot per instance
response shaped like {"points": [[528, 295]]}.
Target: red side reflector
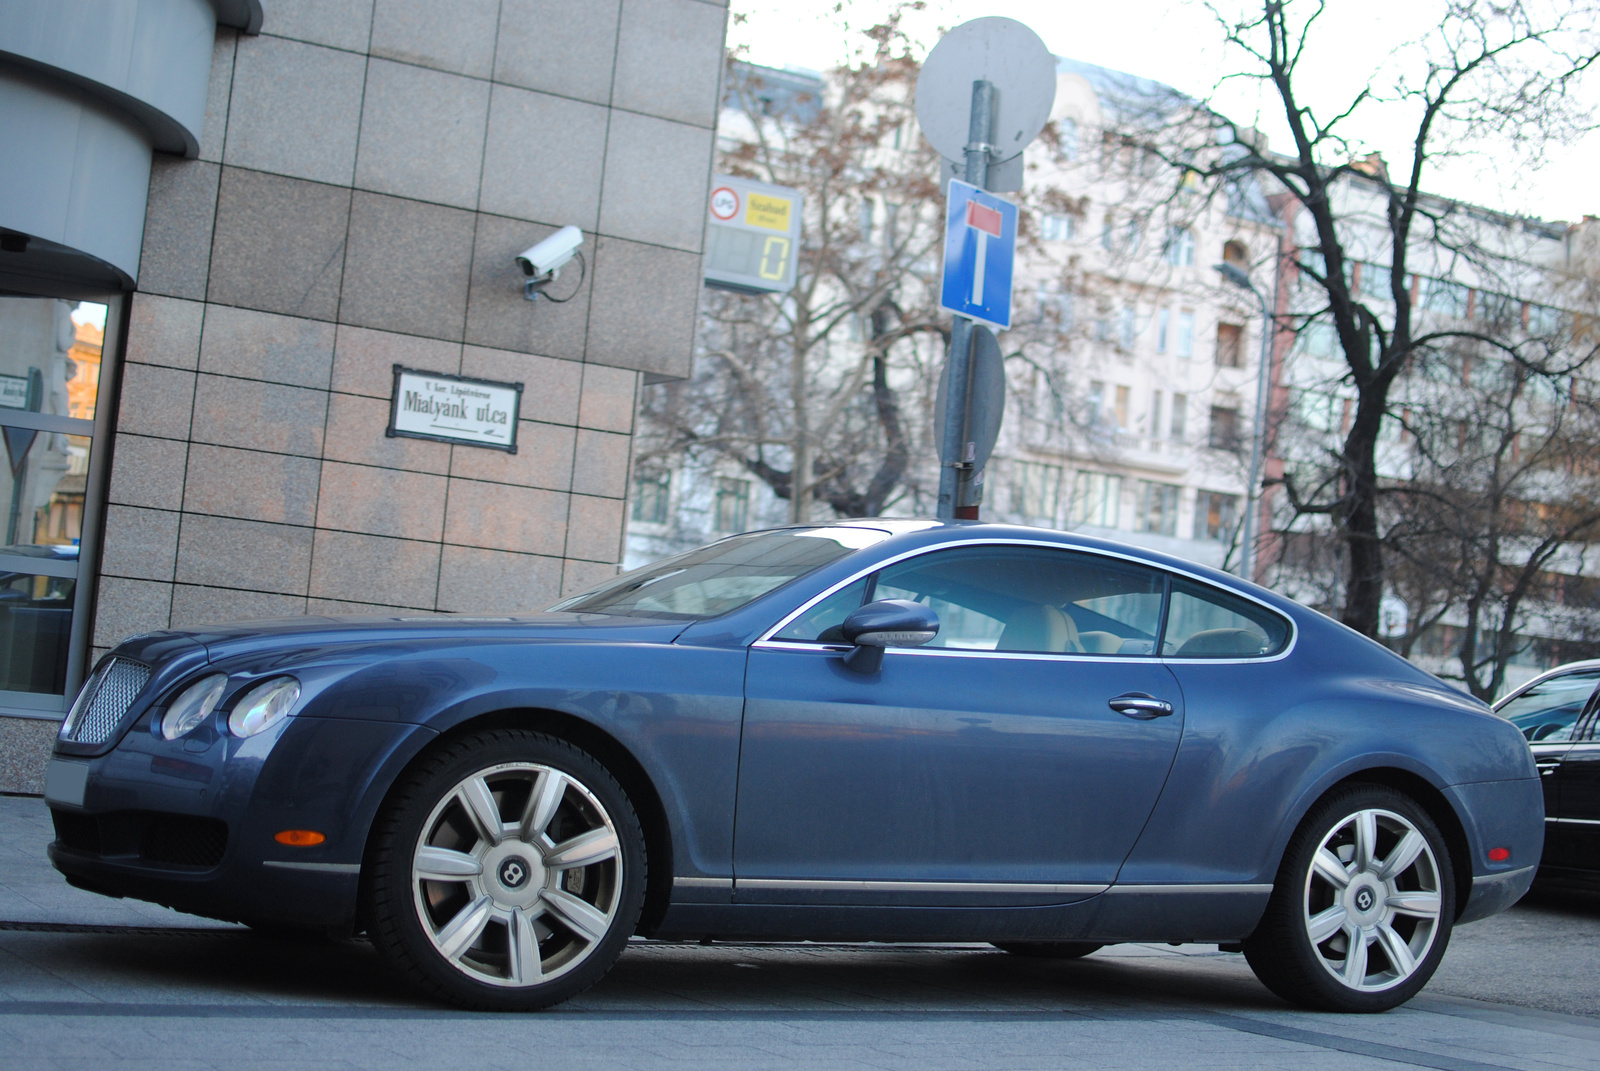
{"points": [[1499, 855], [305, 838]]}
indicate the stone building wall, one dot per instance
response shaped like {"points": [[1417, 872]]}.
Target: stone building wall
{"points": [[368, 173]]}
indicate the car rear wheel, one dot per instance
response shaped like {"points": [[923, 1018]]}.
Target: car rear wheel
{"points": [[507, 873], [1362, 908], [1048, 949]]}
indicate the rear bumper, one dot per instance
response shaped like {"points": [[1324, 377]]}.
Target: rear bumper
{"points": [[1506, 815], [1493, 893]]}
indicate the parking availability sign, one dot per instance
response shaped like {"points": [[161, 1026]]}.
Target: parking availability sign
{"points": [[979, 247]]}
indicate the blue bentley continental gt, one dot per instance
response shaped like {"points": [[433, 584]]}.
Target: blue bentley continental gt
{"points": [[869, 730]]}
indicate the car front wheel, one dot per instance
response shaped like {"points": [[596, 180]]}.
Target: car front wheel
{"points": [[1361, 911], [507, 873]]}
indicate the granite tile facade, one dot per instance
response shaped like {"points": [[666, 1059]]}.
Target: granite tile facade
{"points": [[367, 172]]}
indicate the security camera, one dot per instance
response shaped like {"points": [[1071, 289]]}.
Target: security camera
{"points": [[542, 261]]}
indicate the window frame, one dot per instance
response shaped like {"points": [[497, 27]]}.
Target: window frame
{"points": [[85, 572], [765, 640]]}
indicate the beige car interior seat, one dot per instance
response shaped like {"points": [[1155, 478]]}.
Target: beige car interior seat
{"points": [[1041, 628], [1100, 642]]}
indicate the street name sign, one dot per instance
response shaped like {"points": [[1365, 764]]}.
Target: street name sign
{"points": [[752, 235], [454, 409], [980, 245]]}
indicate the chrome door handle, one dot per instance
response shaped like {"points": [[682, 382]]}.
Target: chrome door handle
{"points": [[1140, 705]]}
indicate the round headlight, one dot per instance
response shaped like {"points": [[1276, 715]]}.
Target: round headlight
{"points": [[192, 705], [264, 706]]}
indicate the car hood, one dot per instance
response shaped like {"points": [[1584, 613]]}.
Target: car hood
{"points": [[272, 634]]}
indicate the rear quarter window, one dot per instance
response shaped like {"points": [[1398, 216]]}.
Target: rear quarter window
{"points": [[1205, 622]]}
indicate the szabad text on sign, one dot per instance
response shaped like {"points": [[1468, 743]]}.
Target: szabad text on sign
{"points": [[455, 409]]}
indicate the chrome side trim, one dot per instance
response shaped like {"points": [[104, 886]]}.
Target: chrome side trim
{"points": [[1145, 890], [702, 883], [321, 868], [765, 639], [1575, 821], [1002, 887], [1504, 875]]}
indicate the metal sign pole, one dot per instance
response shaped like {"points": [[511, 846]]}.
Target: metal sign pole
{"points": [[957, 450]]}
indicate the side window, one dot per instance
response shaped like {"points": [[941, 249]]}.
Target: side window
{"points": [[1031, 599], [1547, 712], [1203, 622], [820, 624]]}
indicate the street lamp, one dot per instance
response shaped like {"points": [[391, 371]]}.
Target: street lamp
{"points": [[1247, 553]]}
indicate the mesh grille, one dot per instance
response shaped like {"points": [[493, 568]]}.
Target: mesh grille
{"points": [[115, 689]]}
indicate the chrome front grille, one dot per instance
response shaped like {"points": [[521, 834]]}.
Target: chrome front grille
{"points": [[105, 698]]}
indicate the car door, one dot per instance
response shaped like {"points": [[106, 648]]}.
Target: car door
{"points": [[1579, 814], [1548, 712], [990, 756]]}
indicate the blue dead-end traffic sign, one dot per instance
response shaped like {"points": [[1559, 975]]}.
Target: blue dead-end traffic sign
{"points": [[980, 243]]}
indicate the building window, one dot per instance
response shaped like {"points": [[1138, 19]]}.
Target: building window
{"points": [[1180, 417], [1224, 428], [1163, 322], [1445, 298], [1543, 321], [1158, 508], [1230, 344], [1108, 233], [732, 505], [1215, 516], [650, 496], [1155, 414], [1096, 497], [1120, 412], [1234, 252], [1067, 132], [1180, 246], [1055, 308], [1097, 402], [1186, 333], [1035, 489], [1127, 327], [51, 357], [1054, 228], [1135, 235]]}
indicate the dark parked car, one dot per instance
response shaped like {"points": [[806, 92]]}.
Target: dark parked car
{"points": [[1559, 713], [872, 730]]}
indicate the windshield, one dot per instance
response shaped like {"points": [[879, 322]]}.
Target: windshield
{"points": [[726, 575], [1548, 711]]}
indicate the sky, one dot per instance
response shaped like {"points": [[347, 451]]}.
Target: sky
{"points": [[1177, 42]]}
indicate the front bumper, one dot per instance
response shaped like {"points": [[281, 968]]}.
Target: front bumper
{"points": [[189, 823]]}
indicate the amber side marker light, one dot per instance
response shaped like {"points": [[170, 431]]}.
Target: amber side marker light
{"points": [[305, 838], [1496, 855]]}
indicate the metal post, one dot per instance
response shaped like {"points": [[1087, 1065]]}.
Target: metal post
{"points": [[1252, 503], [956, 470]]}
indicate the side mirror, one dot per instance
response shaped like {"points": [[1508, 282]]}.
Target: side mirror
{"points": [[886, 623]]}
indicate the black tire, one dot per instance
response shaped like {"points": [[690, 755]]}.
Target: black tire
{"points": [[1048, 949], [529, 908], [1401, 922]]}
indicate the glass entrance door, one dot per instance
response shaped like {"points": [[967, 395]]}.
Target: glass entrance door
{"points": [[52, 354]]}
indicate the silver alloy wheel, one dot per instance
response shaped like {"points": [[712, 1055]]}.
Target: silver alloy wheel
{"points": [[517, 874], [1372, 900]]}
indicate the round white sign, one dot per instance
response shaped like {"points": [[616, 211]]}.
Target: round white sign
{"points": [[724, 203], [998, 50]]}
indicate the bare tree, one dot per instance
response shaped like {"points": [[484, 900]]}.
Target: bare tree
{"points": [[820, 392], [1492, 69]]}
